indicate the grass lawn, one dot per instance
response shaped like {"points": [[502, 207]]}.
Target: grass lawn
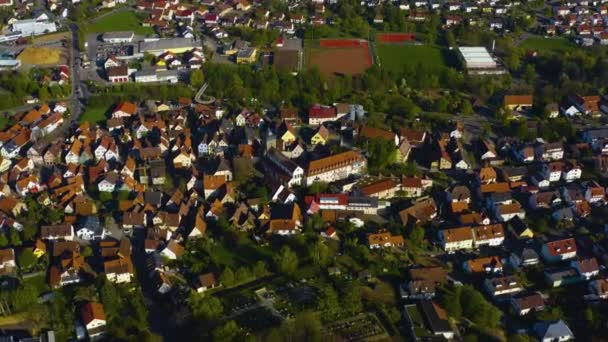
{"points": [[556, 45], [94, 115], [245, 254], [19, 319], [121, 21], [395, 56], [39, 282], [3, 122]]}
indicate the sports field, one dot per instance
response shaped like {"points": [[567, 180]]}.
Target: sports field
{"points": [[541, 44], [394, 56], [339, 56], [120, 21]]}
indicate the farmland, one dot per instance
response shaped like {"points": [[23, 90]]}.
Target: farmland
{"points": [[555, 45], [339, 57], [394, 56]]}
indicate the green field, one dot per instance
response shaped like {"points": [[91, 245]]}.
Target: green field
{"points": [[121, 21], [394, 56], [541, 44], [94, 115]]}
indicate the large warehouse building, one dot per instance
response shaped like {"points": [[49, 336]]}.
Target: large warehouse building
{"points": [[174, 45], [478, 60]]}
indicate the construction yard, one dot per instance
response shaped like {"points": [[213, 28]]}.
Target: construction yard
{"points": [[335, 57], [43, 56]]}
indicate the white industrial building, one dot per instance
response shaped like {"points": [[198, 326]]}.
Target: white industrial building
{"points": [[153, 76], [477, 57], [478, 60], [32, 27], [118, 37]]}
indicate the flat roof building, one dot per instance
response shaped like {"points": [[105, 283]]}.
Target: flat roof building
{"points": [[174, 45], [477, 57], [118, 37], [33, 27]]}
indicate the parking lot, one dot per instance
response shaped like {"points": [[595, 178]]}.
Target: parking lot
{"points": [[98, 51]]}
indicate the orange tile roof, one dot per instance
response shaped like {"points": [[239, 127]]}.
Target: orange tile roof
{"points": [[525, 100], [127, 107], [333, 162], [92, 311], [457, 234], [479, 265]]}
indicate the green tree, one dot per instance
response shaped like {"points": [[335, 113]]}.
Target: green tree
{"points": [[450, 299], [328, 302], [229, 331], [3, 240], [205, 307], [286, 261], [87, 251], [227, 277], [197, 79], [319, 253], [43, 93], [242, 274], [259, 269], [27, 259], [465, 107], [415, 236], [110, 298], [477, 309], [351, 300], [306, 326], [15, 238]]}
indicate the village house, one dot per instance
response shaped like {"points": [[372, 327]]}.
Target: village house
{"points": [[7, 260], [57, 232], [206, 282], [319, 114], [455, 239], [421, 212], [551, 331], [173, 250], [490, 235], [518, 102], [489, 265], [586, 267], [94, 319], [599, 288], [423, 282], [412, 186], [502, 286], [384, 239], [381, 189], [526, 303], [119, 270], [559, 250], [124, 110], [335, 167]]}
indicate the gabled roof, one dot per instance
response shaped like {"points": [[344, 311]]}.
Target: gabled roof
{"points": [[452, 235], [560, 247], [127, 107], [556, 330], [92, 311], [522, 100], [479, 265], [333, 162], [529, 301]]}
